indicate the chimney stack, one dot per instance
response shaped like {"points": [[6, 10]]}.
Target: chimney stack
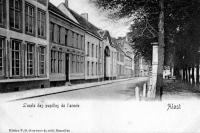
{"points": [[85, 16], [66, 3]]}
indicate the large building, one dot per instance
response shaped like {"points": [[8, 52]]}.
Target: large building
{"points": [[42, 45], [67, 48], [110, 56], [125, 58], [24, 44], [93, 44]]}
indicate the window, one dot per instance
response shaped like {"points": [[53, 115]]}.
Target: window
{"points": [[30, 59], [82, 43], [58, 34], [72, 39], [100, 52], [16, 14], [16, 65], [77, 41], [52, 25], [88, 68], [92, 68], [77, 63], [82, 64], [41, 19], [96, 69], [96, 51], [1, 56], [53, 61], [41, 60], [99, 68], [73, 63], [66, 37], [60, 61], [2, 12], [92, 50], [29, 18], [88, 49]]}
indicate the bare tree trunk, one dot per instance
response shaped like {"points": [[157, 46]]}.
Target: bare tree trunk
{"points": [[192, 75], [198, 74], [159, 85]]}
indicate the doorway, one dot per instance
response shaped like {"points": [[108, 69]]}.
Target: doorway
{"points": [[106, 55]]}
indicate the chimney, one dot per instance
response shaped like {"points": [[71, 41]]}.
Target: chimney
{"points": [[85, 16], [66, 3]]}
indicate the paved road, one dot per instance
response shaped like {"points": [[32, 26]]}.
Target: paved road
{"points": [[115, 91]]}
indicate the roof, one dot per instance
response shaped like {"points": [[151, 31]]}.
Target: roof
{"points": [[86, 24], [56, 10]]}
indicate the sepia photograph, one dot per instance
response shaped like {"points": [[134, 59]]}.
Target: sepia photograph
{"points": [[99, 66]]}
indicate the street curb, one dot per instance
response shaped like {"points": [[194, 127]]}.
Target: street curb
{"points": [[62, 91]]}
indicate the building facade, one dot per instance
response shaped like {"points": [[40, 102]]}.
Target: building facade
{"points": [[93, 44], [67, 48], [23, 44], [42, 45]]}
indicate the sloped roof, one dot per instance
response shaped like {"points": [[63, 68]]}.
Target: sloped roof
{"points": [[86, 24], [56, 10]]}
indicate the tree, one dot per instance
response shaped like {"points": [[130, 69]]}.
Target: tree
{"points": [[141, 11], [180, 43]]}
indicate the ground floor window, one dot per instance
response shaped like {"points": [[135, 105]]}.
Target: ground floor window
{"points": [[73, 63], [42, 60], [2, 41], [30, 59], [96, 68], [92, 68], [88, 68], [53, 61], [100, 68], [16, 64], [60, 62]]}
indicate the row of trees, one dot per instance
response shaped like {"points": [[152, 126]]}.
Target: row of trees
{"points": [[174, 24]]}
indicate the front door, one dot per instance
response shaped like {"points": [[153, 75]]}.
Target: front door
{"points": [[67, 66]]}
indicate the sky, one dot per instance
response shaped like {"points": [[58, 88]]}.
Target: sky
{"points": [[99, 19]]}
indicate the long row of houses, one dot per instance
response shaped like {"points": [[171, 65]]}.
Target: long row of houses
{"points": [[42, 45]]}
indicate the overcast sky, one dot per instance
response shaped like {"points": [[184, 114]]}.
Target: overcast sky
{"points": [[116, 29]]}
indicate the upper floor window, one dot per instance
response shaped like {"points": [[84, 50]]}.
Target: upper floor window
{"points": [[58, 34], [30, 59], [52, 25], [41, 20], [2, 12], [92, 50], [66, 37], [1, 56], [29, 18], [96, 51], [77, 40], [88, 49], [42, 60], [82, 43], [100, 52], [72, 39], [16, 57], [16, 14]]}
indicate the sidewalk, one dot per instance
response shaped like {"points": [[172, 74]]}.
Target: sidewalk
{"points": [[6, 97], [179, 90]]}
